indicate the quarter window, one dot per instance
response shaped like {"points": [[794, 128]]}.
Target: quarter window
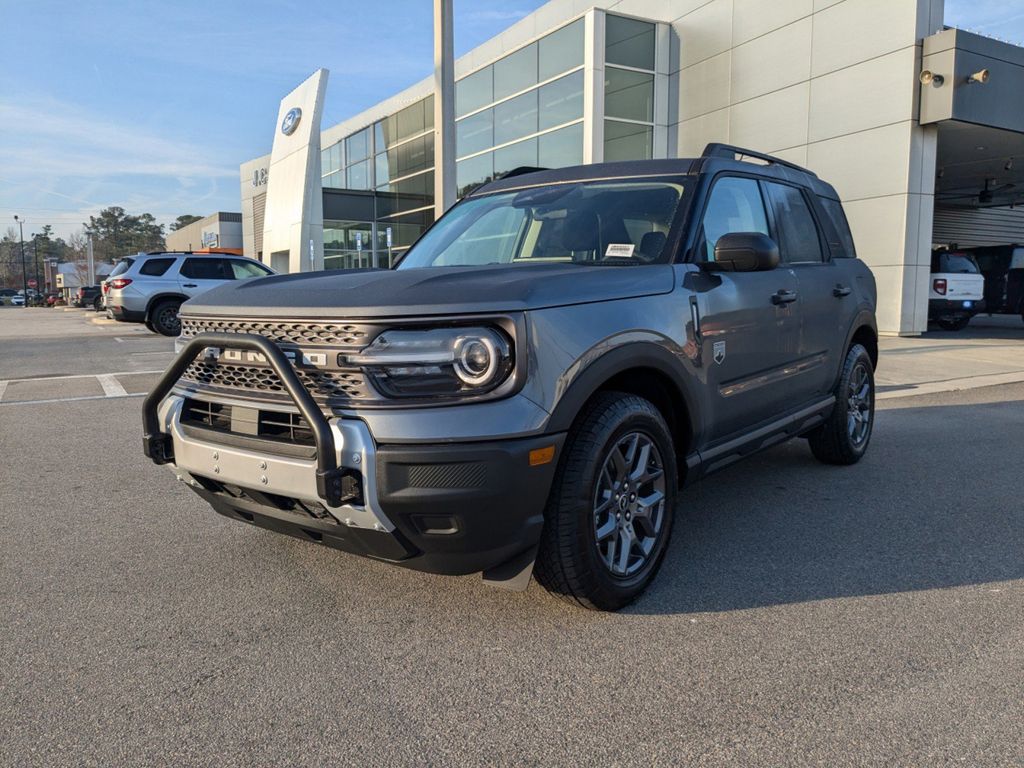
{"points": [[735, 205], [798, 233]]}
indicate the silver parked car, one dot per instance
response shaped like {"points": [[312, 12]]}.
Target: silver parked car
{"points": [[150, 287]]}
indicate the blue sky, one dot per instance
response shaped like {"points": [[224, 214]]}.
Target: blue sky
{"points": [[153, 105]]}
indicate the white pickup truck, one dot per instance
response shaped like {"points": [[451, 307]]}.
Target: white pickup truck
{"points": [[956, 292]]}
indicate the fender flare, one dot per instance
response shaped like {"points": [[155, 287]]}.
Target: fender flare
{"points": [[643, 354], [161, 296], [864, 318]]}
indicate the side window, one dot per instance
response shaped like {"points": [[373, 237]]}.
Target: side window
{"points": [[735, 205], [800, 241], [836, 214], [243, 270], [155, 267], [207, 269]]}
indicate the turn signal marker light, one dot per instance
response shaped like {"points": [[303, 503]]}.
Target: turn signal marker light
{"points": [[539, 456]]}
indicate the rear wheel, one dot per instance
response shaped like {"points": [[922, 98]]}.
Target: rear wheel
{"points": [[163, 317], [610, 513], [97, 304], [844, 437]]}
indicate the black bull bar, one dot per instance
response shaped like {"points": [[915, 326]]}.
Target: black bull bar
{"points": [[159, 447]]}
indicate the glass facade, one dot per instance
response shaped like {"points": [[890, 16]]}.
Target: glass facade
{"points": [[525, 106], [525, 109], [629, 56]]}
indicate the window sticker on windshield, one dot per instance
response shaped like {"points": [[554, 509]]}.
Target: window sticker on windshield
{"points": [[620, 250]]}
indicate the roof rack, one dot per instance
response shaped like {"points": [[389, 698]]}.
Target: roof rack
{"points": [[519, 171], [731, 152]]}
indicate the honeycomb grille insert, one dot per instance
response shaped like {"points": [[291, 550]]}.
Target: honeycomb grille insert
{"points": [[332, 386], [285, 332]]}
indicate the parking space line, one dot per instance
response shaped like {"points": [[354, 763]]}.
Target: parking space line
{"points": [[111, 386], [3, 386], [72, 399], [77, 376]]}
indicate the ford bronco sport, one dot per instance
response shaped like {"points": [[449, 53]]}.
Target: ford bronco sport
{"points": [[528, 389]]}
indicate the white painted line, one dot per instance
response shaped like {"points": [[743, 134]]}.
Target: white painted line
{"points": [[111, 386], [79, 376], [71, 399], [3, 386]]}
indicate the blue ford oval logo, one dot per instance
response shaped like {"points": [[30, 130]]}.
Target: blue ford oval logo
{"points": [[291, 121]]}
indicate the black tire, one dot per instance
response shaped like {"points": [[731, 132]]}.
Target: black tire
{"points": [[149, 325], [956, 323], [97, 304], [571, 561], [843, 438], [163, 317]]}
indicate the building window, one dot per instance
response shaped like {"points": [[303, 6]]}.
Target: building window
{"points": [[629, 42], [627, 141], [561, 101], [560, 51], [628, 89], [558, 149]]}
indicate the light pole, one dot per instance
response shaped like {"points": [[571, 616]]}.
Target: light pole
{"points": [[24, 269]]}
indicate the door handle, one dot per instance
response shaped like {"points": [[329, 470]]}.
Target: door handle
{"points": [[841, 290], [189, 285], [784, 297]]}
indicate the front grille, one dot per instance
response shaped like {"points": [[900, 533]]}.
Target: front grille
{"points": [[333, 387], [300, 333], [248, 422]]}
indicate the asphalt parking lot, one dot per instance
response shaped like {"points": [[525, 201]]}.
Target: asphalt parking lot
{"points": [[805, 614]]}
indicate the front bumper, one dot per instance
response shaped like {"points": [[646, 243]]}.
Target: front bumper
{"points": [[449, 508], [452, 509]]}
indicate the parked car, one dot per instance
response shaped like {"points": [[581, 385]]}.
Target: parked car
{"points": [[529, 388], [88, 296], [956, 291], [150, 287], [1003, 269], [17, 300], [6, 294]]}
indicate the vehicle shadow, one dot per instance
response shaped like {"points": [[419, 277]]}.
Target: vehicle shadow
{"points": [[936, 503]]}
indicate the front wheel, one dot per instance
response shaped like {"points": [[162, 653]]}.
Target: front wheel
{"points": [[609, 516], [844, 437], [164, 317]]}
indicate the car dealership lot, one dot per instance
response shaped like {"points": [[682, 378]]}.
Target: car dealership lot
{"points": [[805, 614]]}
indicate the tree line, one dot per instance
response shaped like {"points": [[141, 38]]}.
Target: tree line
{"points": [[115, 233]]}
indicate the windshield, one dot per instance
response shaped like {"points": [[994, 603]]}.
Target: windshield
{"points": [[122, 266], [606, 222]]}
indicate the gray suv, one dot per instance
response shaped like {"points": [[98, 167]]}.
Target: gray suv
{"points": [[527, 391], [150, 287]]}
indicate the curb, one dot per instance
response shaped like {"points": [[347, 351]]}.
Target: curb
{"points": [[950, 385]]}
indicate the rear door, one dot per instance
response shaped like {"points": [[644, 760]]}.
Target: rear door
{"points": [[749, 323], [200, 274], [826, 296]]}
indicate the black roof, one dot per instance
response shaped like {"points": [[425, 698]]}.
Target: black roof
{"points": [[716, 157]]}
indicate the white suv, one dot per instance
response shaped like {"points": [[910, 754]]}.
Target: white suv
{"points": [[150, 287]]}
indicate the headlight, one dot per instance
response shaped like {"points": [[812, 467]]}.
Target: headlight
{"points": [[438, 362]]}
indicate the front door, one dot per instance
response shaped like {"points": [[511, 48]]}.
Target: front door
{"points": [[749, 321]]}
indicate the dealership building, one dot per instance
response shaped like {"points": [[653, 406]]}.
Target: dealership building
{"points": [[919, 127]]}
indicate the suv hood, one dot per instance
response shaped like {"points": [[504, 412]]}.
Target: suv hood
{"points": [[365, 293]]}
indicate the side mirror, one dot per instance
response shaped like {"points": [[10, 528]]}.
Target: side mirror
{"points": [[743, 252]]}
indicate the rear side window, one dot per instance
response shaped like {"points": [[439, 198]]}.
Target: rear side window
{"points": [[207, 269], [837, 216], [122, 266], [797, 230], [243, 270], [155, 267]]}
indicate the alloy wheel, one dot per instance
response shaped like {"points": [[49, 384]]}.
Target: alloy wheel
{"points": [[629, 504], [860, 404]]}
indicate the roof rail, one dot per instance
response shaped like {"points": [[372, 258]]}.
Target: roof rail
{"points": [[731, 152], [519, 171]]}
